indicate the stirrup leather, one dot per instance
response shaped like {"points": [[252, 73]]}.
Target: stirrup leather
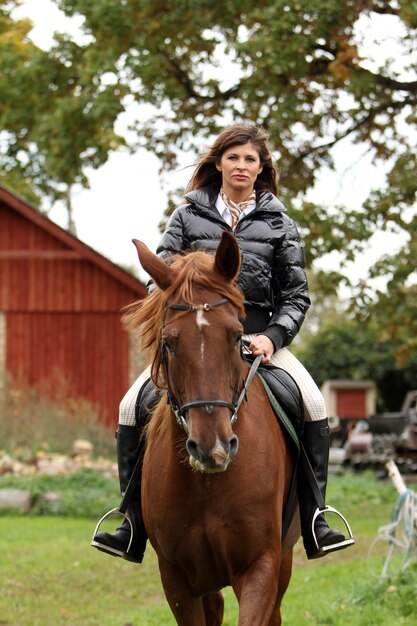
{"points": [[105, 547], [334, 546]]}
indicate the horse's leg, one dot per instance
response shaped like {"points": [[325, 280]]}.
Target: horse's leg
{"points": [[283, 582], [256, 590], [213, 609], [188, 609]]}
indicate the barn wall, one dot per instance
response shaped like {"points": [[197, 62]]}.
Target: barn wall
{"points": [[2, 346], [58, 285], [40, 273], [89, 350], [62, 302]]}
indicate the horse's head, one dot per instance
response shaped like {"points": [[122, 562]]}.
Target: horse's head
{"points": [[196, 345]]}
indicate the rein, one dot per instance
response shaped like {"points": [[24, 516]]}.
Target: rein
{"points": [[179, 409]]}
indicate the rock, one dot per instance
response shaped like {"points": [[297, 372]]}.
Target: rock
{"points": [[10, 467], [15, 500], [52, 497], [82, 448], [6, 464], [57, 464], [52, 465]]}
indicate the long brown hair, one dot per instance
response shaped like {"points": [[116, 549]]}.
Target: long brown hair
{"points": [[206, 172]]}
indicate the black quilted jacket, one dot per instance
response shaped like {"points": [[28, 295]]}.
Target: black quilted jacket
{"points": [[272, 275]]}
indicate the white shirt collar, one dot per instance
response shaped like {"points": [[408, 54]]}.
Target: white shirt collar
{"points": [[224, 211]]}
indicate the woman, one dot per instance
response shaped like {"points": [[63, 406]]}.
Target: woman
{"points": [[234, 188]]}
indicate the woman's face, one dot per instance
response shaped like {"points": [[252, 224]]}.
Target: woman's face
{"points": [[239, 167]]}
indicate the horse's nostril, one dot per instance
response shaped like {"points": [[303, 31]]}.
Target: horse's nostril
{"points": [[234, 444], [192, 448]]}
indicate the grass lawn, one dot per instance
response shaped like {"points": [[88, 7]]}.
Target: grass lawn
{"points": [[50, 576]]}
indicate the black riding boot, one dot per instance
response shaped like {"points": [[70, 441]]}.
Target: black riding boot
{"points": [[316, 442], [130, 450]]}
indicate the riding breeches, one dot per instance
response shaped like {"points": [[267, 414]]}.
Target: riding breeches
{"points": [[314, 407]]}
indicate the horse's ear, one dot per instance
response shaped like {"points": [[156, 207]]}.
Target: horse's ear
{"points": [[162, 274], [227, 259]]}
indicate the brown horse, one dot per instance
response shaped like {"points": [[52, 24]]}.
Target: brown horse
{"points": [[215, 482]]}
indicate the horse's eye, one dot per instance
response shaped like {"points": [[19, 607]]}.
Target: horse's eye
{"points": [[168, 346], [238, 338]]}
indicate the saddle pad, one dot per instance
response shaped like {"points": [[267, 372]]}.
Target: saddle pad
{"points": [[281, 414]]}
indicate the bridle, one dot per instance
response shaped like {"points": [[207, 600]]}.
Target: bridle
{"points": [[179, 409]]}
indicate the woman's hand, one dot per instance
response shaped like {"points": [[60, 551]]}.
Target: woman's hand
{"points": [[262, 345]]}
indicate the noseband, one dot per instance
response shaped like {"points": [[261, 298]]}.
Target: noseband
{"points": [[179, 409]]}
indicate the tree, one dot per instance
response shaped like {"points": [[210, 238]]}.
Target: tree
{"points": [[55, 117], [347, 349], [297, 67]]}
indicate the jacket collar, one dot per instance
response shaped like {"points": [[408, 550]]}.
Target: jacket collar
{"points": [[205, 200]]}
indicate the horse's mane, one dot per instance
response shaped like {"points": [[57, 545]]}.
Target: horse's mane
{"points": [[195, 269]]}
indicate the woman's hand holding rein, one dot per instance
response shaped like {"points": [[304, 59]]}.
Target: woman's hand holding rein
{"points": [[262, 345]]}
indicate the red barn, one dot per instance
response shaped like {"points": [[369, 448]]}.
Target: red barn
{"points": [[60, 305]]}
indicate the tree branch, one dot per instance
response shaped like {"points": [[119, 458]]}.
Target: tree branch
{"points": [[184, 79], [363, 122], [392, 83], [383, 9], [320, 66]]}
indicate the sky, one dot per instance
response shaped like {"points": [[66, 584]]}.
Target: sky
{"points": [[126, 198]]}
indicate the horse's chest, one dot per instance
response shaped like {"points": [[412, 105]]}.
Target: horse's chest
{"points": [[212, 526]]}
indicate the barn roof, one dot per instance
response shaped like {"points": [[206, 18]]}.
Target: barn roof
{"points": [[76, 249]]}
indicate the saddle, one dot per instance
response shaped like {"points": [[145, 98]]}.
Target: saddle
{"points": [[286, 400]]}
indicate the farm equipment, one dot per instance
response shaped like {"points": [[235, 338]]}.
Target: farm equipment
{"points": [[385, 436], [362, 438]]}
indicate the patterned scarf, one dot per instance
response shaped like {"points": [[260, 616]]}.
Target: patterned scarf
{"points": [[236, 208]]}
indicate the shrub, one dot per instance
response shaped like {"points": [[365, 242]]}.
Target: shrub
{"points": [[46, 417], [85, 493]]}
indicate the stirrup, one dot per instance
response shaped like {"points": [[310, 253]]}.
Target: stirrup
{"points": [[333, 546], [105, 547]]}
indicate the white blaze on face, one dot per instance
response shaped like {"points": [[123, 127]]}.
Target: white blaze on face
{"points": [[201, 321]]}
